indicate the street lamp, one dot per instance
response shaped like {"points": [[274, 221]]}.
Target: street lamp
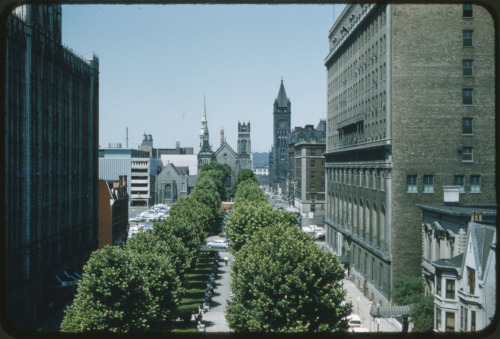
{"points": [[378, 314], [358, 298]]}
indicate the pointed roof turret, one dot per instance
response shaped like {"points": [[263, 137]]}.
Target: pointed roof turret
{"points": [[282, 99]]}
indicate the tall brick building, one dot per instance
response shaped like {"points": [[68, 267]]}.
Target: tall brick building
{"points": [[410, 110], [51, 170]]}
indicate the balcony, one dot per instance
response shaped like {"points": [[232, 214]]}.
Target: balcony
{"points": [[467, 297]]}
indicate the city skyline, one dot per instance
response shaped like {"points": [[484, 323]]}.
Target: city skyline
{"points": [[155, 83]]}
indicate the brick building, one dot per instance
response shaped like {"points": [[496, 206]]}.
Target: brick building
{"points": [[306, 185], [410, 110], [51, 174], [113, 212]]}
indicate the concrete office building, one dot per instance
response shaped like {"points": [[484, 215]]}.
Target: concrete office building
{"points": [[410, 109], [50, 167]]}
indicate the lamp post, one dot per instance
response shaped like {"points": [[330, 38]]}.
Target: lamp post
{"points": [[358, 298]]}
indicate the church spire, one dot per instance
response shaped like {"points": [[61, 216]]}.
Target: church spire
{"points": [[204, 127], [282, 99]]}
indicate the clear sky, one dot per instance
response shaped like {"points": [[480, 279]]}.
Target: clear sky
{"points": [[157, 62]]}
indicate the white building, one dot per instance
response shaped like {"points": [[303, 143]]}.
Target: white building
{"points": [[465, 294]]}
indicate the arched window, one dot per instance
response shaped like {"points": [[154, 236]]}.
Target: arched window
{"points": [[168, 191], [374, 233], [383, 244], [367, 222]]}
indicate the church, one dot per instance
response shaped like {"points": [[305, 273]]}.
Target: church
{"points": [[242, 159]]}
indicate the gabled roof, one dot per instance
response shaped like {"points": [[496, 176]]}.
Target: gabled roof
{"points": [[225, 147], [452, 263], [482, 237], [282, 99], [205, 147]]}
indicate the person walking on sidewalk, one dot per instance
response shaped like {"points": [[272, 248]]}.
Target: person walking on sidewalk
{"points": [[226, 259]]}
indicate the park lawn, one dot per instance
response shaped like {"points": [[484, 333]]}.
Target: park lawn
{"points": [[196, 283]]}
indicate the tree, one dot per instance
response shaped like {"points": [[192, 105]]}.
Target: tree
{"points": [[193, 210], [219, 173], [249, 190], [283, 282], [205, 191], [246, 218], [244, 174], [409, 290], [213, 175], [122, 291], [162, 242]]}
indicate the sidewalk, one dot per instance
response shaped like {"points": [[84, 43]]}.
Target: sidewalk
{"points": [[361, 308], [215, 320]]}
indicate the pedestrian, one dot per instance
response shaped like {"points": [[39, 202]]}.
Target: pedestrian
{"points": [[226, 259], [370, 305]]}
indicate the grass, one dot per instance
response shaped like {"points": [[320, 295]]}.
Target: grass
{"points": [[196, 283]]}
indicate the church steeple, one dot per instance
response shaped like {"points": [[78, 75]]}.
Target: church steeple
{"points": [[282, 99], [204, 127]]}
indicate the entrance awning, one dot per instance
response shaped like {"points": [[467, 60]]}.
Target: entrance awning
{"points": [[391, 311], [344, 259]]}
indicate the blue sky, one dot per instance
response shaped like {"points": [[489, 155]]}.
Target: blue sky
{"points": [[157, 62]]}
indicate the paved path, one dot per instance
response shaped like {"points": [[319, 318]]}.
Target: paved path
{"points": [[215, 319], [361, 308]]}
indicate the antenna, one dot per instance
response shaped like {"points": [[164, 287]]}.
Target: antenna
{"points": [[126, 138]]}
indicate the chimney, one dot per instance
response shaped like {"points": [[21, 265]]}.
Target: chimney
{"points": [[451, 195]]}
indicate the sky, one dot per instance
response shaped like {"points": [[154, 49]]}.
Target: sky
{"points": [[159, 64]]}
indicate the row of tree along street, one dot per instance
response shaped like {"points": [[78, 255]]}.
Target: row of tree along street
{"points": [[281, 280], [138, 288]]}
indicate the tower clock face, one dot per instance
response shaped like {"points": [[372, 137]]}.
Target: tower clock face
{"points": [[282, 124]]}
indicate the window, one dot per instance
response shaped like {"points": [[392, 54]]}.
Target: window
{"points": [[475, 184], [467, 12], [467, 126], [467, 38], [438, 319], [467, 154], [450, 322], [411, 184], [428, 184], [473, 321], [438, 286], [467, 68], [458, 180], [313, 163], [450, 289], [471, 280], [467, 96], [463, 318], [313, 175]]}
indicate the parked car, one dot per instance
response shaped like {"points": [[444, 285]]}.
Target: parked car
{"points": [[354, 320], [358, 329], [219, 243]]}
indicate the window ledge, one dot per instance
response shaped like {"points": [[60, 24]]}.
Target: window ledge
{"points": [[467, 135], [411, 192], [428, 192], [475, 192]]}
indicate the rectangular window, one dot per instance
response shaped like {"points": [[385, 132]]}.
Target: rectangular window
{"points": [[428, 183], [458, 180], [467, 126], [438, 286], [467, 12], [467, 68], [471, 280], [450, 322], [450, 289], [467, 96], [467, 154], [313, 163], [463, 322], [475, 184], [467, 38], [313, 175], [439, 326], [411, 183], [473, 321]]}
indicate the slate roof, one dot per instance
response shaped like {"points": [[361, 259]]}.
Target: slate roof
{"points": [[282, 99], [483, 236], [455, 262]]}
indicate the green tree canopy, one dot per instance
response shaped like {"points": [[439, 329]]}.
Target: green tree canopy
{"points": [[193, 210], [244, 174], [123, 291], [162, 242], [249, 190], [213, 175], [205, 191], [245, 219], [283, 282]]}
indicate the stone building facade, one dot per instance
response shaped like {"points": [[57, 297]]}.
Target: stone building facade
{"points": [[236, 161], [410, 109], [172, 183], [50, 178], [278, 156]]}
